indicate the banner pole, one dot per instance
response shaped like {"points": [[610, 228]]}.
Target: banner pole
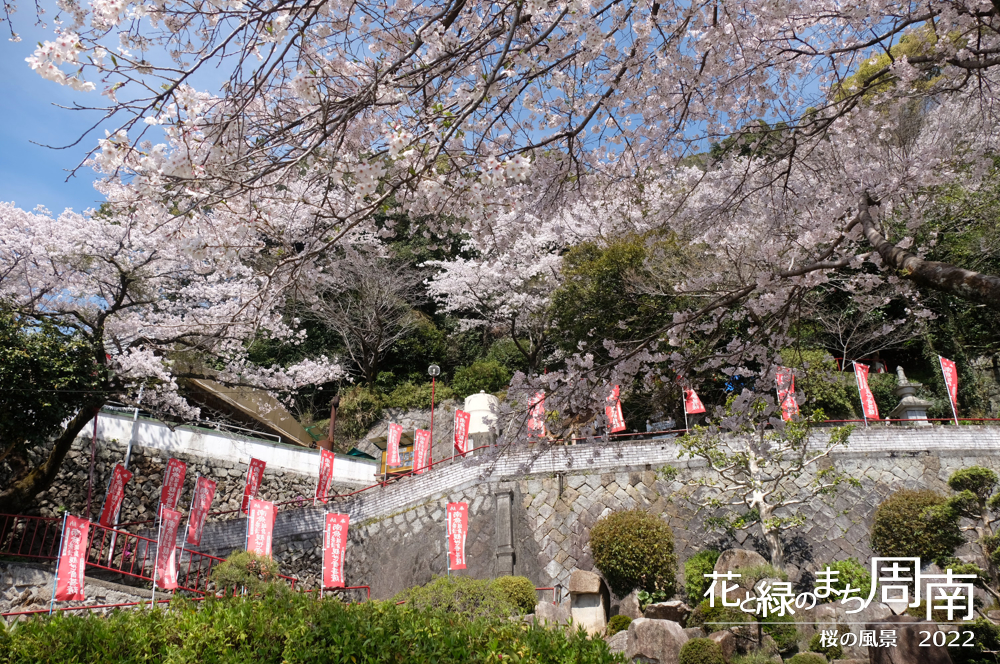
{"points": [[55, 580], [947, 388], [861, 397], [159, 531], [194, 496]]}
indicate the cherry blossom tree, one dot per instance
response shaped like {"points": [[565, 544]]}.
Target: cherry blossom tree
{"points": [[157, 298], [502, 113]]}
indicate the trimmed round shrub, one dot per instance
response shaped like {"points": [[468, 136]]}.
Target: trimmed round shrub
{"points": [[618, 624], [831, 652], [915, 523], [635, 549], [808, 658], [701, 651], [244, 570], [714, 618], [849, 572], [695, 569], [519, 591], [486, 375]]}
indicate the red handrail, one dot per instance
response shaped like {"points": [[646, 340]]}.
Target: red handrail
{"points": [[549, 588]]}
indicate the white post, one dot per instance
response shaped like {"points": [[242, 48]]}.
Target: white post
{"points": [[55, 580], [159, 532], [947, 388], [861, 397]]}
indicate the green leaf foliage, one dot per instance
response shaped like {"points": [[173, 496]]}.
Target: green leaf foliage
{"points": [[245, 570], [986, 643], [808, 658], [915, 523], [831, 652], [293, 628], [701, 651], [618, 624], [465, 596], [848, 573], [484, 375], [695, 568], [519, 591], [635, 549]]}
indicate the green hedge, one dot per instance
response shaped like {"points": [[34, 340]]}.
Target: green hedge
{"points": [[289, 628], [635, 549], [701, 651], [915, 523]]}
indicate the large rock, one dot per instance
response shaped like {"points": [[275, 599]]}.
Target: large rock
{"points": [[554, 614], [630, 606], [694, 632], [732, 560], [584, 582], [834, 615], [655, 641], [617, 642], [726, 641], [908, 639], [675, 610]]}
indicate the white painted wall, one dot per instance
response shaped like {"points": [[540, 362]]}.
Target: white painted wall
{"points": [[227, 446]]}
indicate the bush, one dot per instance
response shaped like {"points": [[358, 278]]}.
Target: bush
{"points": [[755, 657], [486, 375], [462, 595], [707, 617], [985, 644], [618, 624], [701, 651], [519, 591], [782, 629], [915, 523], [360, 408], [849, 572], [292, 628], [635, 549], [246, 570], [831, 652], [411, 396], [808, 658], [695, 567]]}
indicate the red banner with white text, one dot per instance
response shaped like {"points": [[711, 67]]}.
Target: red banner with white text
{"points": [[868, 404], [115, 496], [692, 404], [204, 494], [421, 451], [173, 484], [334, 549], [260, 526], [950, 372], [392, 445], [166, 549], [613, 411], [326, 458], [785, 379], [255, 474], [457, 528], [536, 416], [462, 420], [72, 559]]}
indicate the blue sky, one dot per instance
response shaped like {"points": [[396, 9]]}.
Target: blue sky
{"points": [[31, 174]]}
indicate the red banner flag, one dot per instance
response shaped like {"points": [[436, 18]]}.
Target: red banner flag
{"points": [[868, 405], [166, 550], [392, 445], [613, 411], [457, 528], [334, 548], [692, 404], [173, 484], [950, 372], [326, 458], [421, 451], [115, 496], [72, 559], [786, 393], [255, 473], [204, 494], [536, 416], [462, 420], [260, 526]]}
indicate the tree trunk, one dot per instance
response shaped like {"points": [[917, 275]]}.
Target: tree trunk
{"points": [[771, 536], [19, 496], [944, 277]]}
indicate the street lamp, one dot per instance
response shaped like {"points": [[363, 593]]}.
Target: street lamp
{"points": [[434, 371]]}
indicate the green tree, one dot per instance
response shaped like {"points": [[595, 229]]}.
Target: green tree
{"points": [[915, 523], [48, 376], [635, 549]]}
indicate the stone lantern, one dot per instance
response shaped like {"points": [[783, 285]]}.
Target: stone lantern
{"points": [[910, 407]]}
